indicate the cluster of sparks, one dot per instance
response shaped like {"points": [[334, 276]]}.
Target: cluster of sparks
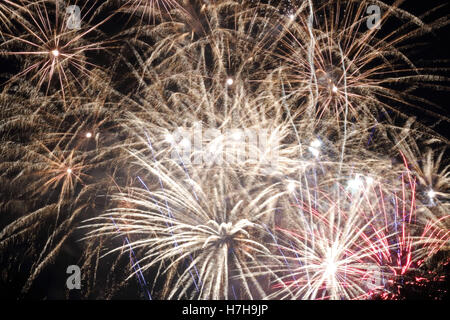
{"points": [[349, 194]]}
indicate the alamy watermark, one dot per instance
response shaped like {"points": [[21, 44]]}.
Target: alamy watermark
{"points": [[374, 279], [211, 146], [373, 21], [74, 280], [74, 17]]}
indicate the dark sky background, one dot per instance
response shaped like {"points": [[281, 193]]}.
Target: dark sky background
{"points": [[435, 47]]}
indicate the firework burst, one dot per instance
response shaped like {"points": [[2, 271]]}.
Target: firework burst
{"points": [[52, 50]]}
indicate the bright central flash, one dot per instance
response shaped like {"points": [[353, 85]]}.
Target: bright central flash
{"points": [[355, 184], [185, 143], [55, 53], [334, 89], [431, 194], [169, 138], [316, 143], [88, 135], [69, 171], [331, 268], [236, 136], [291, 186], [229, 81], [330, 263], [314, 147]]}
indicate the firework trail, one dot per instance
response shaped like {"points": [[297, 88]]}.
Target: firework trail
{"points": [[55, 50]]}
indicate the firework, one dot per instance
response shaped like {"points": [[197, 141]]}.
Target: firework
{"points": [[150, 10], [55, 52]]}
